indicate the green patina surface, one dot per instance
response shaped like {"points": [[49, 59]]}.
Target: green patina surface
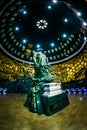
{"points": [[41, 76]]}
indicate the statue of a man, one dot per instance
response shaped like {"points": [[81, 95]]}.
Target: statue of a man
{"points": [[41, 75], [42, 67]]}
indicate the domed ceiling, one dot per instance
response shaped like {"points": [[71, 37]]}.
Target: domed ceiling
{"points": [[55, 26]]}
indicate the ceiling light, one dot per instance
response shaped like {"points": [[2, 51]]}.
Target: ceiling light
{"points": [[65, 20], [52, 44], [24, 40], [84, 23], [64, 35], [78, 13], [41, 24], [17, 28], [24, 12], [85, 38], [38, 46], [54, 1], [49, 7]]}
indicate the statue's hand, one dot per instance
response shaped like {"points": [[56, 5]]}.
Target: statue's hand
{"points": [[37, 65]]}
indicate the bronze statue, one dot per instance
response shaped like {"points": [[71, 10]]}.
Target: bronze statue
{"points": [[42, 67], [41, 76]]}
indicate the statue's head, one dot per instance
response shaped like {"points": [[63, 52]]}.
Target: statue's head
{"points": [[39, 50]]}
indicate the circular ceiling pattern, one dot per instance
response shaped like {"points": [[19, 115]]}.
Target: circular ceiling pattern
{"points": [[52, 25], [41, 24]]}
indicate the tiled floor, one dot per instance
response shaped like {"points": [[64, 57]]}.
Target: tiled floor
{"points": [[14, 116]]}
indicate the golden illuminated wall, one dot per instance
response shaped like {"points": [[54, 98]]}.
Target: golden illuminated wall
{"points": [[11, 69], [71, 70]]}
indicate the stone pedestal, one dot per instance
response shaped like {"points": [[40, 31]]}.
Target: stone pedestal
{"points": [[53, 99], [54, 104]]}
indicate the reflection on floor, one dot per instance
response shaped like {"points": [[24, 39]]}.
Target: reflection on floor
{"points": [[14, 116]]}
